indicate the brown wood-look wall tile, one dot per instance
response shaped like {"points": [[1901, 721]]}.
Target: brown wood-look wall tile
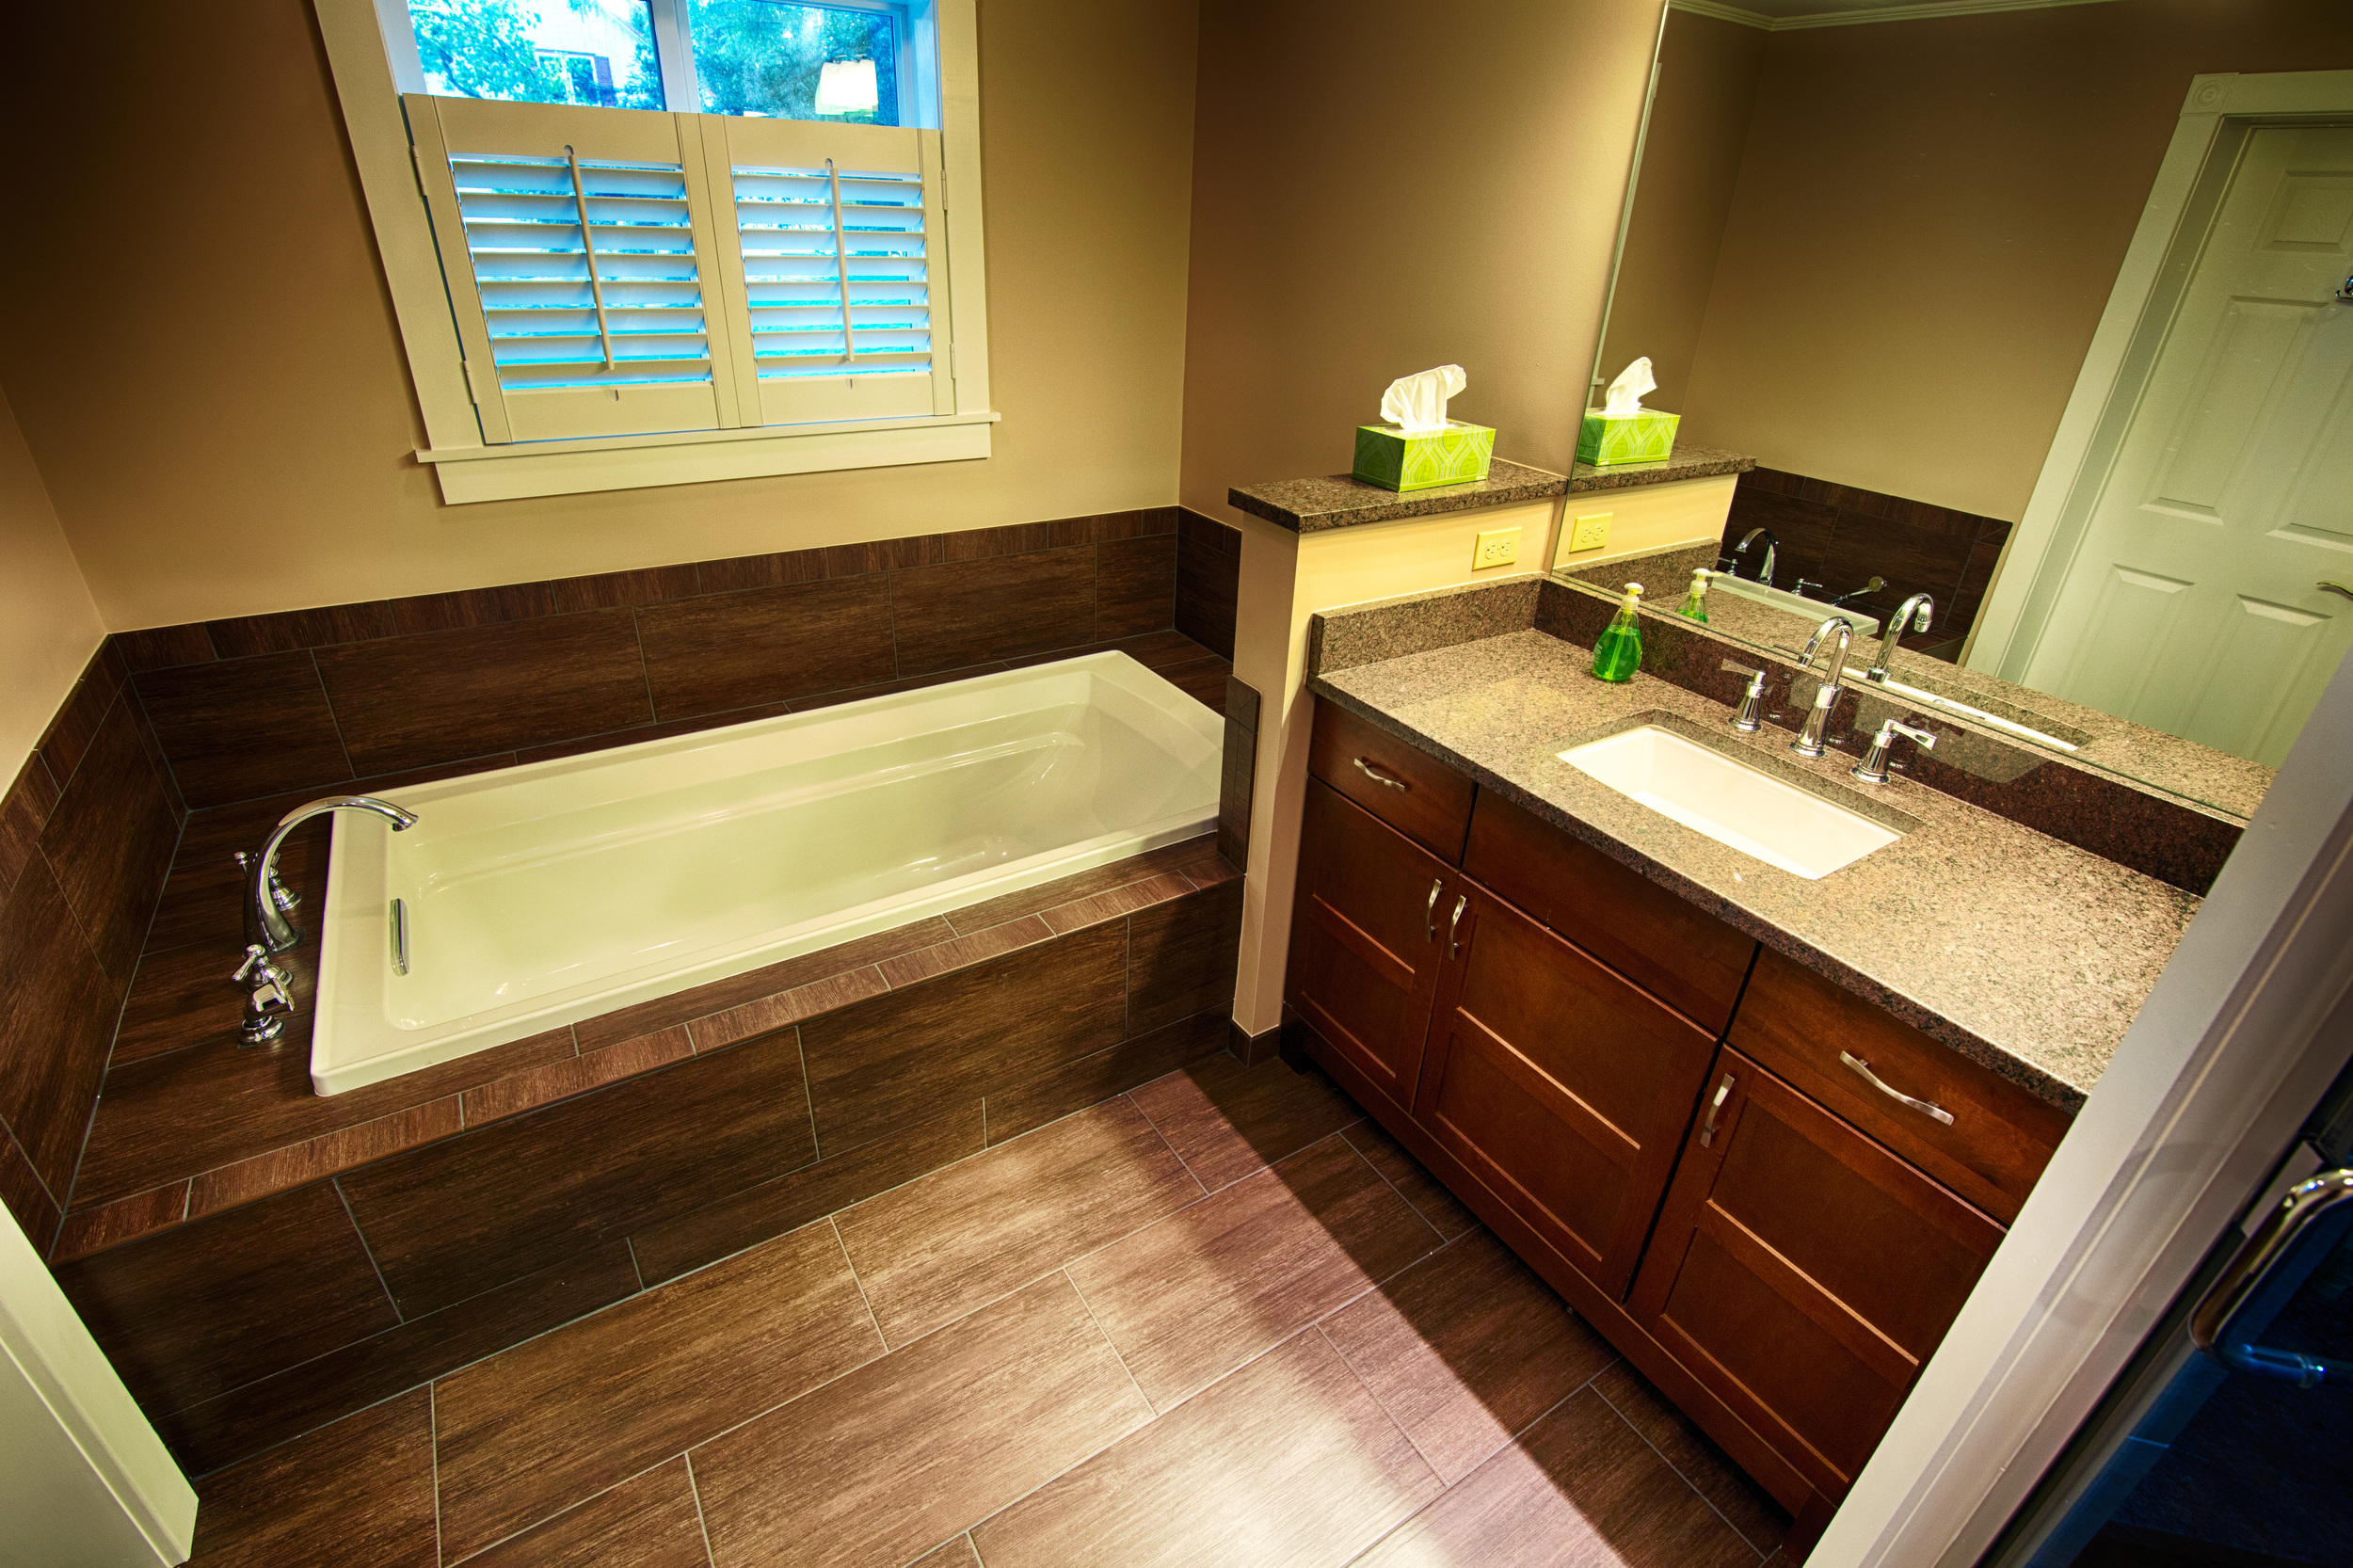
{"points": [[635, 734], [920, 550], [979, 544], [196, 1311], [474, 1212], [519, 1092], [408, 701], [768, 1210], [57, 1008], [1000, 608], [111, 841], [963, 952], [244, 728], [786, 1007], [530, 1432], [358, 1493], [23, 811], [898, 1058], [1208, 584], [23, 1195], [491, 606], [1289, 1461], [649, 1521], [1135, 586], [615, 590], [1238, 770], [949, 1242], [76, 724], [759, 571], [162, 646], [1204, 681], [93, 1230], [879, 1465], [1091, 1080], [257, 1415], [730, 650], [1070, 890], [183, 996], [291, 630], [1117, 904], [1183, 957], [152, 746], [324, 1155], [1100, 527]]}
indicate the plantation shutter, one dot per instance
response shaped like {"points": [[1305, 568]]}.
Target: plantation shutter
{"points": [[832, 263], [580, 256]]}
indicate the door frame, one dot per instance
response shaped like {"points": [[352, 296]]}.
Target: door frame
{"points": [[2204, 1096], [2218, 116]]}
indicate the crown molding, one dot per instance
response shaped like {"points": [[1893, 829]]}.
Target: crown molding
{"points": [[1933, 10]]}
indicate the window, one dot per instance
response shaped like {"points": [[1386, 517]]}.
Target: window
{"points": [[648, 242]]}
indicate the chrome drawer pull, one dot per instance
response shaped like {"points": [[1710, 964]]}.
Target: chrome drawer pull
{"points": [[1925, 1108], [1707, 1129], [1380, 777], [1430, 912], [1454, 947]]}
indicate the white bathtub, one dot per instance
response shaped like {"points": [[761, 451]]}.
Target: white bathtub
{"points": [[540, 895]]}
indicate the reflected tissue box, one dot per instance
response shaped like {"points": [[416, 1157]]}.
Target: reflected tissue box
{"points": [[1644, 436], [1423, 459]]}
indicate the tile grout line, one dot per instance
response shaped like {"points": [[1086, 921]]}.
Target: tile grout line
{"points": [[575, 1505], [694, 1489], [1444, 1240], [645, 665], [1089, 1306], [864, 1299], [336, 1181], [1382, 1406], [433, 1450], [1129, 1097], [1675, 1470], [808, 1097], [631, 1243]]}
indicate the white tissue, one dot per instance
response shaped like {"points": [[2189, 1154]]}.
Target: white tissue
{"points": [[1417, 403], [1626, 393]]}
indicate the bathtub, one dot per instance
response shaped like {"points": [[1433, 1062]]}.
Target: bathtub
{"points": [[536, 896]]}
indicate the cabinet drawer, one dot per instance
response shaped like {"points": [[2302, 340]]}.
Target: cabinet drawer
{"points": [[1797, 1024], [1419, 797], [1692, 962]]}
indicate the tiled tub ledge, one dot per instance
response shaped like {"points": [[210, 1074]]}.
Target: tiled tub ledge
{"points": [[186, 1130]]}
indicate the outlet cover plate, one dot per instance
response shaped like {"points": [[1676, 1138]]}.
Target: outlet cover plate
{"points": [[1591, 533], [1497, 546]]}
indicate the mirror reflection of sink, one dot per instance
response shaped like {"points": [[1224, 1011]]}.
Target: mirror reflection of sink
{"points": [[1813, 610], [1729, 801], [2010, 718]]}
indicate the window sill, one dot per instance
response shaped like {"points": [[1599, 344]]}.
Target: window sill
{"points": [[471, 473]]}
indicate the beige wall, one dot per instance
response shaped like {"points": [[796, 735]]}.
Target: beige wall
{"points": [[48, 626], [213, 385], [1699, 127], [1928, 219], [1380, 187]]}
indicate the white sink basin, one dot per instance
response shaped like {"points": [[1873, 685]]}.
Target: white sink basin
{"points": [[1731, 803]]}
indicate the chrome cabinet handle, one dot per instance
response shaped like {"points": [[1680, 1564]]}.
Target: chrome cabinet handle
{"points": [[1430, 912], [1715, 1108], [2214, 1327], [1927, 1107], [1453, 947], [1391, 780]]}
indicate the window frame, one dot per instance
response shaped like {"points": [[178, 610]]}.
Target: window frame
{"points": [[374, 61]]}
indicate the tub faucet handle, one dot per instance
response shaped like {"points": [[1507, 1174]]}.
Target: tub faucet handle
{"points": [[278, 894], [270, 998]]}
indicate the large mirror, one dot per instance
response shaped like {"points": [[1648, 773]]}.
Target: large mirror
{"points": [[2032, 311]]}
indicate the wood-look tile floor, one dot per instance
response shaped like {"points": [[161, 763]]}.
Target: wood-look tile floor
{"points": [[1220, 1319]]}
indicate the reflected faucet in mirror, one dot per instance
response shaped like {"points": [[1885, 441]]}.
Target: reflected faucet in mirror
{"points": [[269, 995], [1765, 573], [1918, 609]]}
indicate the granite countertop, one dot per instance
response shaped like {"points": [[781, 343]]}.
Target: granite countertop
{"points": [[2026, 954], [1340, 501], [1684, 462]]}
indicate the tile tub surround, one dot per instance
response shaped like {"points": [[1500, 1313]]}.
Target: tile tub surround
{"points": [[320, 699], [2026, 953], [1209, 580], [1375, 1374], [87, 828], [431, 1220], [1340, 501]]}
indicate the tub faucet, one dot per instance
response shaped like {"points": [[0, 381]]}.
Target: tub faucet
{"points": [[1920, 602], [1810, 742], [266, 900], [1765, 576]]}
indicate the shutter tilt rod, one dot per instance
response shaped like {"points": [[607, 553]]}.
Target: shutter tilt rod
{"points": [[588, 248], [841, 262]]}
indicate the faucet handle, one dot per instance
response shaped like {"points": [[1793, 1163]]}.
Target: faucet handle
{"points": [[1746, 720], [1873, 768], [1925, 738]]}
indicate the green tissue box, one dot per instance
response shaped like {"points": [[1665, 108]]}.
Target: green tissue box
{"points": [[1644, 436], [1457, 455]]}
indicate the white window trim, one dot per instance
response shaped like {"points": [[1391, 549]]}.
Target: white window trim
{"points": [[374, 57]]}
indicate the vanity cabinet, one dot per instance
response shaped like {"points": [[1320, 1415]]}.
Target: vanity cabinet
{"points": [[1772, 1195]]}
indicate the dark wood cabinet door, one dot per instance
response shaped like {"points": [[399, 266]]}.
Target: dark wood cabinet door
{"points": [[1564, 1086], [1802, 1272], [1366, 939]]}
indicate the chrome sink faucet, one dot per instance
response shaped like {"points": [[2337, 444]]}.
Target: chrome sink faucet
{"points": [[1833, 682], [1917, 609], [267, 901], [1765, 576]]}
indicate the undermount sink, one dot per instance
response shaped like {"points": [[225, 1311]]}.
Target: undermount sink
{"points": [[1729, 801]]}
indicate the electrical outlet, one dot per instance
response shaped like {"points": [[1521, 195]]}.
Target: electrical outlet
{"points": [[1589, 533], [1497, 546]]}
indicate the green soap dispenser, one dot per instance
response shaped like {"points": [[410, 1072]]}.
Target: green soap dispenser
{"points": [[1696, 603], [1618, 651]]}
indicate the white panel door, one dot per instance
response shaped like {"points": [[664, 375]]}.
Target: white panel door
{"points": [[2194, 603]]}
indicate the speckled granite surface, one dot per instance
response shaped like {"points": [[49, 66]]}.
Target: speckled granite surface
{"points": [[2025, 953], [1339, 501], [1684, 462]]}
